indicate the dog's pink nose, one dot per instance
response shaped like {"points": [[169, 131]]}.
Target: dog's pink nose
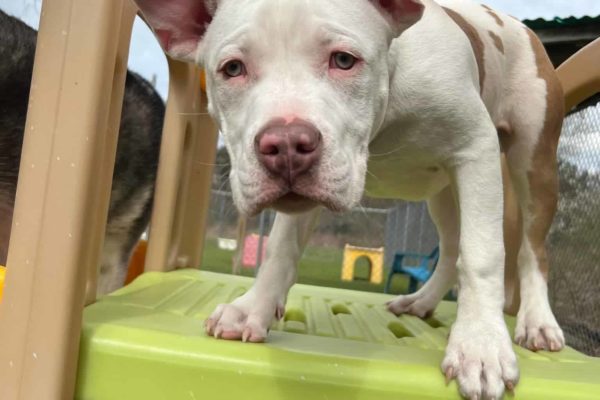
{"points": [[288, 151]]}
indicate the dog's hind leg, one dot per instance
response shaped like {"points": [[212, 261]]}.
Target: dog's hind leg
{"points": [[127, 219], [536, 327], [444, 213], [533, 168], [113, 265]]}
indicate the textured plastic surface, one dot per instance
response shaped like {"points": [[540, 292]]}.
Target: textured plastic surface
{"points": [[147, 342]]}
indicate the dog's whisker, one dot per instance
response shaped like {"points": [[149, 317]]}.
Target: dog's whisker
{"points": [[224, 175], [224, 183], [395, 150], [360, 208], [372, 174], [193, 114], [213, 164]]}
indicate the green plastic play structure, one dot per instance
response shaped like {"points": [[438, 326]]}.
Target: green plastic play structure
{"points": [[147, 341]]}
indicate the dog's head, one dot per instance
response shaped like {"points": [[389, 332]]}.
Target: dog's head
{"points": [[298, 88]]}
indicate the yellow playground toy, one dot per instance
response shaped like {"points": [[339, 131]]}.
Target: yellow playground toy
{"points": [[375, 257]]}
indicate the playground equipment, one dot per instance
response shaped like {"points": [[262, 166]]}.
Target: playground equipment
{"points": [[137, 261], [253, 248], [63, 190], [419, 273], [146, 341], [227, 244], [250, 252], [580, 75], [375, 257]]}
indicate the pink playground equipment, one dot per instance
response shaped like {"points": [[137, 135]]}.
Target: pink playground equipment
{"points": [[250, 251]]}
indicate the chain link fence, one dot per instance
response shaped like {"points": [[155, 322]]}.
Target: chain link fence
{"points": [[394, 225], [574, 241], [409, 228]]}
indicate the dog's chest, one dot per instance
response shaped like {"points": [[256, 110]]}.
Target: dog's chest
{"points": [[405, 161], [403, 170], [393, 180]]}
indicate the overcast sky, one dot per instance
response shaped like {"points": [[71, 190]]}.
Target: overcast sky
{"points": [[147, 59]]}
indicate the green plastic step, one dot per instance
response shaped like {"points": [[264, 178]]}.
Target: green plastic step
{"points": [[147, 341]]}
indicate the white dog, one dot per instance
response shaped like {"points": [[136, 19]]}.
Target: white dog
{"points": [[321, 100]]}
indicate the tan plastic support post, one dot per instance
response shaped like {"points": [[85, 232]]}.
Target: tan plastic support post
{"points": [[58, 211], [184, 175], [113, 126], [580, 75]]}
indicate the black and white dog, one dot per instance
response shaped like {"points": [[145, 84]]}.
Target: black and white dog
{"points": [[137, 151]]}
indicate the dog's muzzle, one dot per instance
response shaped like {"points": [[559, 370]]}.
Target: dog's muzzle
{"points": [[288, 151]]}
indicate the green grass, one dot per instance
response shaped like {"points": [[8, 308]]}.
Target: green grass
{"points": [[320, 266]]}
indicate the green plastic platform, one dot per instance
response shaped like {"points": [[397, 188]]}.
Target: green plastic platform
{"points": [[147, 342]]}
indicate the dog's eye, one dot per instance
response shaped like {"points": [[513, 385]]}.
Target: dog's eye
{"points": [[342, 60], [234, 68]]}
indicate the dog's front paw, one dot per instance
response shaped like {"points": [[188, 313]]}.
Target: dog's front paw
{"points": [[537, 329], [416, 304], [248, 318], [480, 356]]}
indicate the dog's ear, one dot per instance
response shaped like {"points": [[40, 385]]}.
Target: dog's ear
{"points": [[400, 13], [179, 25]]}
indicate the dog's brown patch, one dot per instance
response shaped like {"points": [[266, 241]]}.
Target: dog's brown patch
{"points": [[491, 12], [497, 41], [513, 231], [496, 17], [543, 177], [474, 38]]}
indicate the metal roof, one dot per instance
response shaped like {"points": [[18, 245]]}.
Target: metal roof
{"points": [[558, 22]]}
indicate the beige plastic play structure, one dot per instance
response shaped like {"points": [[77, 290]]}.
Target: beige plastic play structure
{"points": [[64, 186], [65, 177], [580, 75]]}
